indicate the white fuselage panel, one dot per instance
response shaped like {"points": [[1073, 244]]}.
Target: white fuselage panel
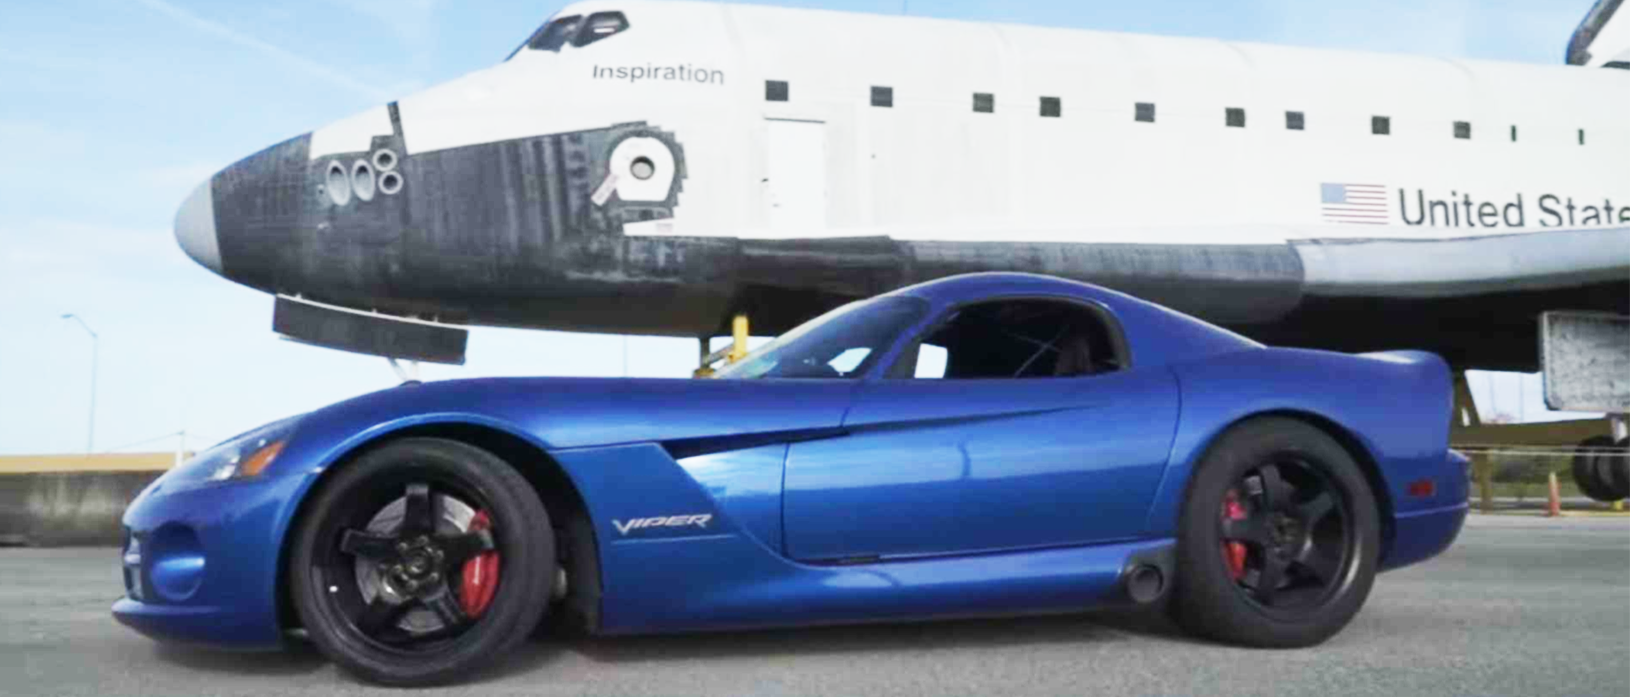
{"points": [[1544, 147]]}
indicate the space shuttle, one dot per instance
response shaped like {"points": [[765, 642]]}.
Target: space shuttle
{"points": [[661, 167]]}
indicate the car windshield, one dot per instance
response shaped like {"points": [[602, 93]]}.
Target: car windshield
{"points": [[842, 343]]}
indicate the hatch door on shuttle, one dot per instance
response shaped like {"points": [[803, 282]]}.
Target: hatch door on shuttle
{"points": [[795, 176]]}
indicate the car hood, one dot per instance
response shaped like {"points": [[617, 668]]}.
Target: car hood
{"points": [[561, 413]]}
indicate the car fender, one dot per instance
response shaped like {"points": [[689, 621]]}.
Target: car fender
{"points": [[1393, 408]]}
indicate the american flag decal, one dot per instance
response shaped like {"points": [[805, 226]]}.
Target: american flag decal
{"points": [[1358, 204]]}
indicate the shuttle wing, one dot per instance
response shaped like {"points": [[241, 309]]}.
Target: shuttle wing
{"points": [[1461, 266]]}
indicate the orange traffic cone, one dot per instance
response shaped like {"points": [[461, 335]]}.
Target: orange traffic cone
{"points": [[1555, 508]]}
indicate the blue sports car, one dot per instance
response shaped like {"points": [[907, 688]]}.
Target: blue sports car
{"points": [[984, 444]]}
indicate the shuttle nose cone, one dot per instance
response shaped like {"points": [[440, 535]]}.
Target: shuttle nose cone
{"points": [[195, 227]]}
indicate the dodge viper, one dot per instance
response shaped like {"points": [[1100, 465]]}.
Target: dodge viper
{"points": [[978, 445]]}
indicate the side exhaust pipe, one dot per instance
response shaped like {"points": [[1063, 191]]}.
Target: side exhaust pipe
{"points": [[1146, 577], [1145, 584]]}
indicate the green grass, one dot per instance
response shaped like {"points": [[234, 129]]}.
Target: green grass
{"points": [[1565, 486]]}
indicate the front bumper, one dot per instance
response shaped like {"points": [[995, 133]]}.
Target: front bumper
{"points": [[201, 564]]}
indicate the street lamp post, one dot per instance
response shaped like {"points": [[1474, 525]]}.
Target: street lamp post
{"points": [[90, 431]]}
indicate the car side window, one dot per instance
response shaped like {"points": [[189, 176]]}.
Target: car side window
{"points": [[930, 362], [1027, 338]]}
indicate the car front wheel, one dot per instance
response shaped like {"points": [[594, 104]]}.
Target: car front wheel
{"points": [[421, 561]]}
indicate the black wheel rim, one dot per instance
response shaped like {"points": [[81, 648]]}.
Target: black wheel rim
{"points": [[420, 559], [1287, 537]]}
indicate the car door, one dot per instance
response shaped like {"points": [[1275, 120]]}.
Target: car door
{"points": [[956, 466]]}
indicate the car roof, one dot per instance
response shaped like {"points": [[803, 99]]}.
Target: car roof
{"points": [[976, 286]]}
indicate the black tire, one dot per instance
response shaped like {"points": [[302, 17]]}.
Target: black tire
{"points": [[331, 542], [1314, 597], [1590, 477], [1613, 471]]}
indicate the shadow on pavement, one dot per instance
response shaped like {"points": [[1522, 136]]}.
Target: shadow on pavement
{"points": [[1085, 628], [297, 659]]}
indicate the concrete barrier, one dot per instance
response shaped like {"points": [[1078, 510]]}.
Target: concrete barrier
{"points": [[61, 500], [51, 509]]}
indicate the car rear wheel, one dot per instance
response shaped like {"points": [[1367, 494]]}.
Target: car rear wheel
{"points": [[1279, 538], [421, 561]]}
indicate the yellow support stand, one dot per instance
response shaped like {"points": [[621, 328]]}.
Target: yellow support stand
{"points": [[736, 352], [738, 335]]}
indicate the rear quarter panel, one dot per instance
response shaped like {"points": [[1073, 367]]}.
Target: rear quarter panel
{"points": [[1395, 406]]}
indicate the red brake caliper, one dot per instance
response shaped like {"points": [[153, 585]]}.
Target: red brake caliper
{"points": [[1234, 552], [480, 573]]}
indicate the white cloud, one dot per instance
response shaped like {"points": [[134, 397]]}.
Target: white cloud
{"points": [[62, 62], [1537, 33], [182, 176], [166, 186], [34, 138], [1429, 27], [284, 56], [36, 248], [409, 20]]}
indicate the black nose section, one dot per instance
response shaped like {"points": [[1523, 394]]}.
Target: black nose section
{"points": [[488, 228], [256, 207], [285, 222]]}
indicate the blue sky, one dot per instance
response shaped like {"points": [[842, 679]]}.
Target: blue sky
{"points": [[111, 111]]}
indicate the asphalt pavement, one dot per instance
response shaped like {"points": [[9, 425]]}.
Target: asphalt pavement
{"points": [[1519, 606]]}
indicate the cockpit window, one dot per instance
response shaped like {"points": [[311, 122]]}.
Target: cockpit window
{"points": [[555, 34], [574, 30], [600, 26], [551, 36]]}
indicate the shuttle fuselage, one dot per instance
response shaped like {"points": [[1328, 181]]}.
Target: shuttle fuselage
{"points": [[654, 167]]}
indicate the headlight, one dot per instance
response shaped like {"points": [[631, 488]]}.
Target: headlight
{"points": [[245, 456]]}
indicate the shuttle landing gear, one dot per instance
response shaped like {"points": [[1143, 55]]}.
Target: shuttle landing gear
{"points": [[1586, 356], [736, 351], [409, 374], [1601, 467]]}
